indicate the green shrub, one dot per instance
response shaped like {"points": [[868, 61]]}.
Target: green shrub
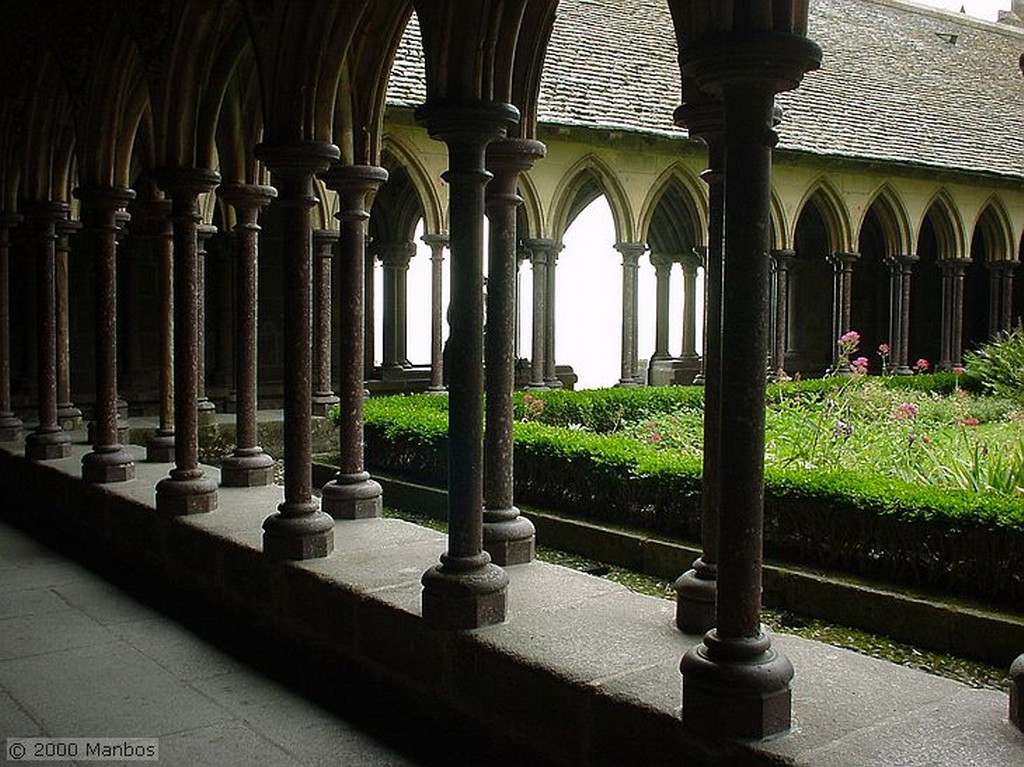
{"points": [[999, 364]]}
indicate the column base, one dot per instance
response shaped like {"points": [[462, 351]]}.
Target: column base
{"points": [[47, 444], [123, 432], [186, 492], [306, 536], [743, 694], [464, 593], [247, 467], [552, 383], [352, 496], [509, 537], [160, 447], [1017, 693], [206, 412], [10, 427], [696, 597], [905, 370], [322, 402], [108, 463], [627, 382], [69, 417]]}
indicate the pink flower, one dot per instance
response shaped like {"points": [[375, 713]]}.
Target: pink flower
{"points": [[957, 370], [905, 410], [971, 422], [883, 350], [851, 337], [859, 365], [655, 437], [921, 366]]}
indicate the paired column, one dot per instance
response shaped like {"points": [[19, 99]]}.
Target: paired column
{"points": [[662, 276], [631, 252], [899, 311], [437, 243], [351, 494], [48, 440], [734, 683], [108, 461], [951, 339], [1000, 296], [842, 296], [187, 489], [248, 465], [299, 529], [551, 379], [466, 590], [323, 398], [205, 408], [690, 263], [782, 259], [508, 536], [538, 357], [68, 416], [160, 233], [395, 256], [10, 424]]}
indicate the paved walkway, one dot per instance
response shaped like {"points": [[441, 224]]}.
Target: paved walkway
{"points": [[81, 658]]}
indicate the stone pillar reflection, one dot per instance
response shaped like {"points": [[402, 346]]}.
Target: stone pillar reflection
{"points": [[204, 406], [538, 355], [248, 465], [48, 440], [323, 398], [10, 424], [108, 461], [662, 276], [782, 259], [160, 232], [466, 590], [508, 536], [299, 529], [187, 489], [351, 493], [437, 243], [631, 252], [68, 415]]}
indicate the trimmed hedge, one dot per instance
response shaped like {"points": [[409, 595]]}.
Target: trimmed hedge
{"points": [[959, 542]]}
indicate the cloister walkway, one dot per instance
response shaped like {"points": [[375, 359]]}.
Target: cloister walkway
{"points": [[583, 672]]}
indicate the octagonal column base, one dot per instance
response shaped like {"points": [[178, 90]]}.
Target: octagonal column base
{"points": [[736, 697], [206, 412], [186, 492], [322, 402], [509, 537], [352, 496], [1017, 693], [110, 463], [160, 447], [69, 417], [696, 597], [247, 468], [464, 593], [307, 536], [10, 427], [47, 444]]}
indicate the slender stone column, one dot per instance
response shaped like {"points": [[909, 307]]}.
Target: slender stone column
{"points": [[690, 262], [734, 683], [957, 308], [538, 355], [551, 379], [68, 416], [437, 243], [225, 373], [351, 494], [299, 529], [508, 537], [160, 446], [901, 361], [842, 293], [204, 405], [782, 259], [187, 489], [10, 424], [395, 257], [1006, 303], [248, 465], [662, 273], [108, 461], [466, 590], [48, 440], [631, 252], [946, 329], [696, 589], [323, 398]]}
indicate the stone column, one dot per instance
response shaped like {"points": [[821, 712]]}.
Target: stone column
{"points": [[186, 489], [782, 259], [204, 405], [1006, 303], [1016, 713], [160, 446], [225, 373], [690, 262], [108, 461], [538, 355], [323, 398], [662, 272], [946, 330], [956, 320], [631, 252], [437, 243], [696, 589], [551, 379], [369, 328], [10, 424], [351, 494], [68, 416], [299, 529], [248, 465], [48, 440], [899, 324], [466, 590], [735, 685], [842, 296], [395, 256], [508, 537]]}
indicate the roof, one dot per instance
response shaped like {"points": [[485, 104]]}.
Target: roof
{"points": [[899, 82]]}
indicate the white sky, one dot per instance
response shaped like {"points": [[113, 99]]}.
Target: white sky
{"points": [[589, 285]]}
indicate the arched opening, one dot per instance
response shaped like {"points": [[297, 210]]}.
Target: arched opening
{"points": [[986, 248], [871, 306], [925, 338], [810, 344]]}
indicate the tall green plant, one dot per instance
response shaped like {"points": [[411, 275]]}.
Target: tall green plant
{"points": [[999, 364]]}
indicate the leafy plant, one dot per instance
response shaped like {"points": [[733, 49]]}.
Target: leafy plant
{"points": [[999, 364]]}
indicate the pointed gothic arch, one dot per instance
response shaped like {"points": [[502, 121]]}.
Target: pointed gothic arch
{"points": [[835, 214], [589, 178], [677, 193], [888, 206]]}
